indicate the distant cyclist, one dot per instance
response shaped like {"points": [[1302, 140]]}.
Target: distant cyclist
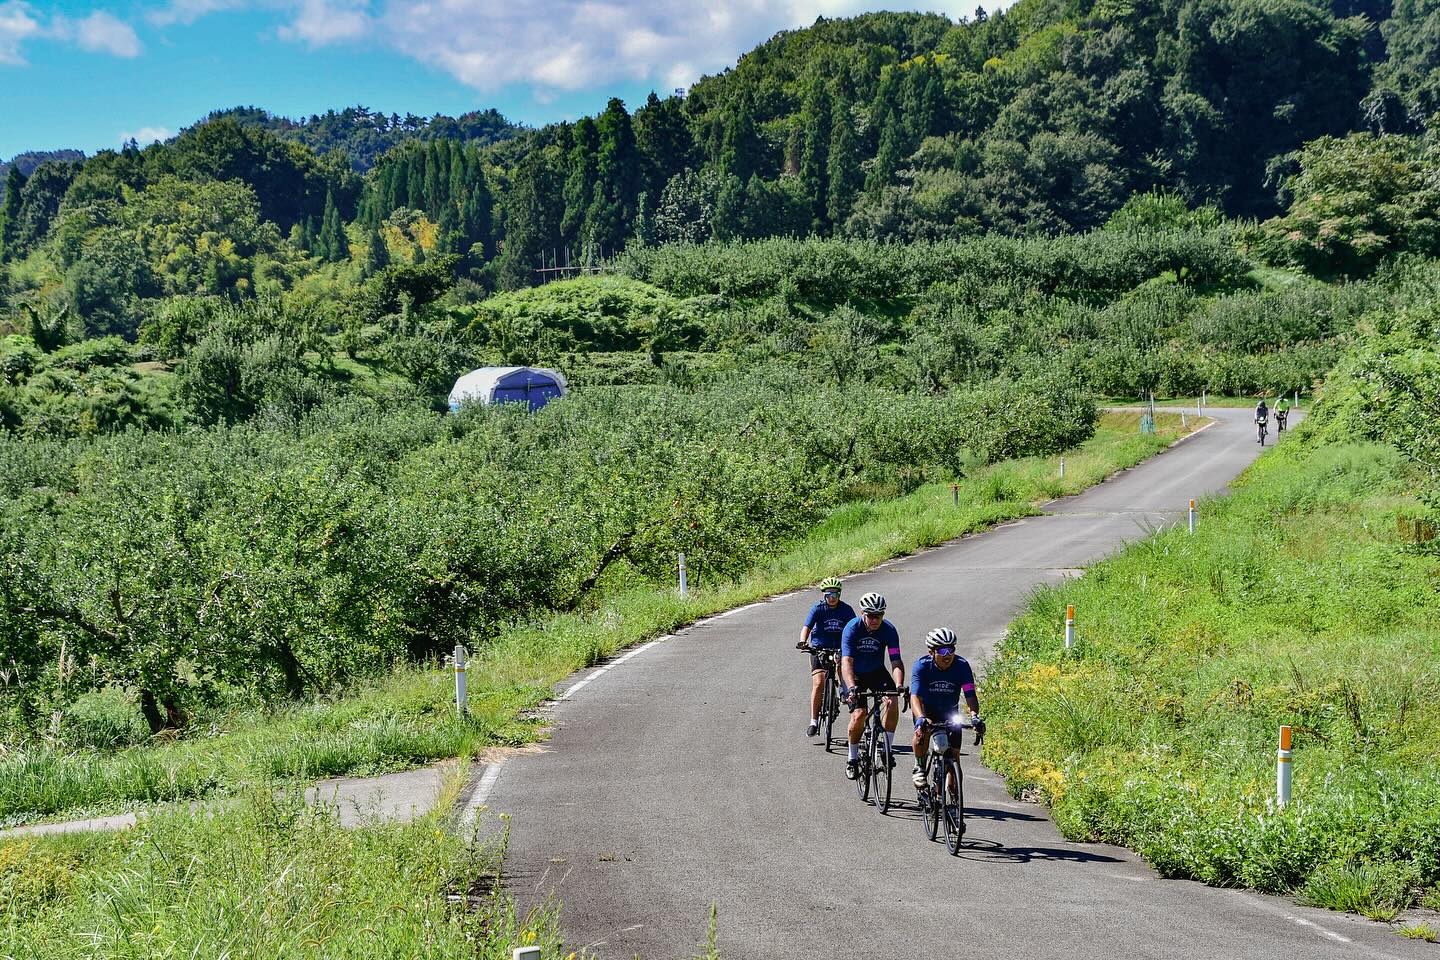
{"points": [[823, 626], [865, 646], [937, 683], [1282, 412], [1262, 417]]}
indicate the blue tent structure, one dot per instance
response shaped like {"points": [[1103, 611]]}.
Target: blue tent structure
{"points": [[533, 386]]}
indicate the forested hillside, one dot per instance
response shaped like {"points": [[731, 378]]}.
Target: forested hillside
{"points": [[1204, 142]]}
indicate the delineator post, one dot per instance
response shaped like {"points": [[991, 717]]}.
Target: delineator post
{"points": [[1283, 771], [462, 700], [684, 579], [1069, 627], [1192, 514]]}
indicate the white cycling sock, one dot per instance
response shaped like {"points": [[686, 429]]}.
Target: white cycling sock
{"points": [[890, 740], [854, 751]]}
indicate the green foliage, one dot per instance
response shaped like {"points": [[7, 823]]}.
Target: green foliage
{"points": [[283, 560], [591, 313], [1299, 606], [1357, 201]]}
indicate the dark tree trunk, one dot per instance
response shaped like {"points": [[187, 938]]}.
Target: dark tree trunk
{"points": [[289, 665], [151, 711]]}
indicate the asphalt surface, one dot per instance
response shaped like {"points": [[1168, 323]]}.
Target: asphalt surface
{"points": [[680, 777]]}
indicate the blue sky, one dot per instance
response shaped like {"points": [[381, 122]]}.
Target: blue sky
{"points": [[87, 75]]}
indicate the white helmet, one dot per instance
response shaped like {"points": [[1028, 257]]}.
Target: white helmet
{"points": [[872, 603], [941, 637]]}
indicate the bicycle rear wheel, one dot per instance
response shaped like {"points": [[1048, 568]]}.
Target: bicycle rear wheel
{"points": [[954, 810], [880, 771], [829, 709]]}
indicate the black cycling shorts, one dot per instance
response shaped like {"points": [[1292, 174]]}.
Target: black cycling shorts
{"points": [[875, 680], [817, 664]]}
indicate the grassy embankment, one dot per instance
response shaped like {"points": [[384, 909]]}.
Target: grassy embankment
{"points": [[260, 879], [1298, 601], [406, 718]]}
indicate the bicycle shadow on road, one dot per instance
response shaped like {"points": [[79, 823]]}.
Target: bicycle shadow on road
{"points": [[992, 851]]}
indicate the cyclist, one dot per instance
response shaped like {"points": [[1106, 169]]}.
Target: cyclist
{"points": [[1282, 411], [864, 647], [937, 683], [1262, 416], [823, 626]]}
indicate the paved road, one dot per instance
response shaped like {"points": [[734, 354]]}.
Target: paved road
{"points": [[681, 778]]}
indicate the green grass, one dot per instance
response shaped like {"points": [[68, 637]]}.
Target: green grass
{"points": [[406, 718], [1296, 602], [262, 878], [1421, 931]]}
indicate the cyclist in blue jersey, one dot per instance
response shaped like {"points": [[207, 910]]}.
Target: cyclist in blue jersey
{"points": [[937, 683], [865, 645], [822, 629]]}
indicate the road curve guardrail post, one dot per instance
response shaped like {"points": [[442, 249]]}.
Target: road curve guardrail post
{"points": [[1283, 771]]}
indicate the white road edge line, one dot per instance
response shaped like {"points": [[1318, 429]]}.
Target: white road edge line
{"points": [[492, 769]]}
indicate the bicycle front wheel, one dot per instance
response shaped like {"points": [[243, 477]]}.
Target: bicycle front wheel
{"points": [[867, 750], [929, 799], [880, 771], [954, 810]]}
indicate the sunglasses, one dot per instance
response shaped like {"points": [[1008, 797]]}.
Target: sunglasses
{"points": [[832, 593], [944, 651]]}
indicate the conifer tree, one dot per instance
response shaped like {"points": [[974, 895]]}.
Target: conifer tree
{"points": [[741, 150], [815, 151], [617, 179], [377, 255], [580, 181], [888, 159], [842, 166], [10, 213]]}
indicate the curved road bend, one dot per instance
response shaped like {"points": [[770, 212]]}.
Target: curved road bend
{"points": [[683, 778]]}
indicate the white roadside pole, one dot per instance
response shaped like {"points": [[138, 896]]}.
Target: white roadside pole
{"points": [[461, 699], [684, 580], [1069, 628], [1282, 768], [1192, 514], [1062, 468]]}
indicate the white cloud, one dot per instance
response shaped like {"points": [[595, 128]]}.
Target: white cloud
{"points": [[16, 26], [318, 22], [145, 135], [563, 45], [188, 11], [100, 33]]}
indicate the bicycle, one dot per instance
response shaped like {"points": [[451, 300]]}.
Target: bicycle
{"points": [[877, 760], [830, 700], [1260, 423], [939, 802], [1280, 422]]}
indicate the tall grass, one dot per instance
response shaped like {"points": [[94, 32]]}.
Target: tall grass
{"points": [[407, 718], [1295, 602], [261, 879]]}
